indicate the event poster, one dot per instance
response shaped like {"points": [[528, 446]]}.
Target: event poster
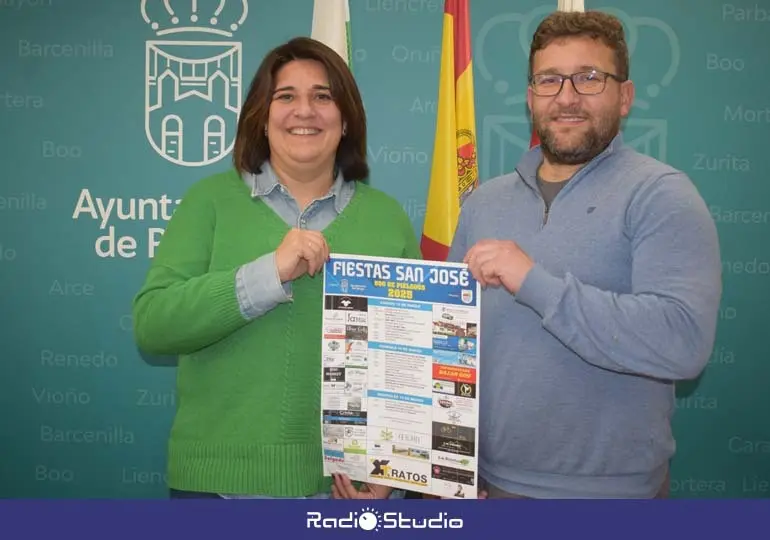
{"points": [[400, 370]]}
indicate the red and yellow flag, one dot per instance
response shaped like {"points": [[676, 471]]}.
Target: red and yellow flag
{"points": [[534, 140], [454, 171]]}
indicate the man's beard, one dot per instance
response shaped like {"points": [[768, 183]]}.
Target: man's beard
{"points": [[593, 142]]}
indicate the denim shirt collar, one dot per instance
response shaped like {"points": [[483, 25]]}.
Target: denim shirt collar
{"points": [[264, 183]]}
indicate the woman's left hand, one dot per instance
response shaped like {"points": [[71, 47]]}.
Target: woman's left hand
{"points": [[343, 488]]}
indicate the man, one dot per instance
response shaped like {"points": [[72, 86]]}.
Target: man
{"points": [[602, 279]]}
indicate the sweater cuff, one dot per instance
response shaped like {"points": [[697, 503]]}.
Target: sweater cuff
{"points": [[540, 291]]}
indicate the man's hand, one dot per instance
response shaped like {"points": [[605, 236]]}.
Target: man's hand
{"points": [[481, 495], [498, 262], [300, 252]]}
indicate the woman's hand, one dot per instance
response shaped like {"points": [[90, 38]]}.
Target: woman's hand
{"points": [[343, 488], [300, 252]]}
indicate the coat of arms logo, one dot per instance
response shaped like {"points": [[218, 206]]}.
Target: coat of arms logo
{"points": [[193, 78]]}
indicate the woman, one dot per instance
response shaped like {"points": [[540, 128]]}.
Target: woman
{"points": [[235, 288]]}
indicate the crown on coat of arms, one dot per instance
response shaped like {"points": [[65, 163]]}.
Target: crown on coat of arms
{"points": [[220, 17]]}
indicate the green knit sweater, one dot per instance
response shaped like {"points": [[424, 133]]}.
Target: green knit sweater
{"points": [[248, 392]]}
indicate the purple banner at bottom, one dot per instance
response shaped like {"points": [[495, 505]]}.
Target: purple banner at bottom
{"points": [[530, 519]]}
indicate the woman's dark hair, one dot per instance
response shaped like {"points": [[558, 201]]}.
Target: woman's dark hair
{"points": [[251, 146]]}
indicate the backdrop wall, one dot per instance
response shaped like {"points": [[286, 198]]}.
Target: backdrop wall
{"points": [[91, 172]]}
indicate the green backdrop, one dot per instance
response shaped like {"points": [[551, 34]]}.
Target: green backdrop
{"points": [[91, 171]]}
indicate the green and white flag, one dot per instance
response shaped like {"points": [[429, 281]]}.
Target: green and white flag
{"points": [[331, 26], [571, 5]]}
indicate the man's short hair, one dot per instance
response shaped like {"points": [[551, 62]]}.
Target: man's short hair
{"points": [[592, 24]]}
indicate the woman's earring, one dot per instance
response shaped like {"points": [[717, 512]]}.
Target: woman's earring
{"points": [[344, 129]]}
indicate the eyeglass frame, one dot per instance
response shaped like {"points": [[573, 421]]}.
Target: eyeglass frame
{"points": [[607, 75]]}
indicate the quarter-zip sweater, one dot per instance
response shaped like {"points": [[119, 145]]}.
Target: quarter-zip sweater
{"points": [[577, 370]]}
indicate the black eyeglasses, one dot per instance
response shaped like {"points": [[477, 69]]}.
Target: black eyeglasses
{"points": [[587, 83]]}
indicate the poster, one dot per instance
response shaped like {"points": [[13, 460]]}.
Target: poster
{"points": [[400, 370]]}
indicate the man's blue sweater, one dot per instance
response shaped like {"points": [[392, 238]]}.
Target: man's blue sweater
{"points": [[577, 370]]}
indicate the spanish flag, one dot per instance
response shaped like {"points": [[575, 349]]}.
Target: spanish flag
{"points": [[454, 172], [562, 5], [331, 26]]}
